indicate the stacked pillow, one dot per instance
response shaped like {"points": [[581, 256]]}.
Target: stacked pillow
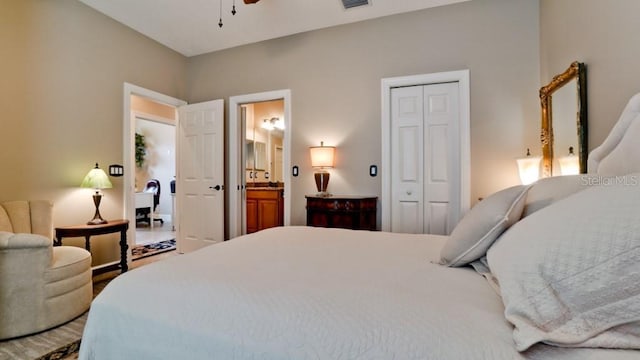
{"points": [[546, 191], [482, 225], [569, 274], [569, 269], [486, 221]]}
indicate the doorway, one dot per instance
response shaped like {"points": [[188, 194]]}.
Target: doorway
{"points": [[131, 111], [155, 155], [264, 184], [199, 188], [259, 154]]}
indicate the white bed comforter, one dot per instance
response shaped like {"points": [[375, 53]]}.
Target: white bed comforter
{"points": [[308, 293]]}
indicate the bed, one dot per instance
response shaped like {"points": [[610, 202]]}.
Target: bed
{"points": [[548, 271]]}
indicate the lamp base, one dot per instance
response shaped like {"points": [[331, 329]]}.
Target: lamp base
{"points": [[98, 221], [97, 218], [322, 181]]}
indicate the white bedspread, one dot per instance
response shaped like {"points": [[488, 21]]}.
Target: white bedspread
{"points": [[308, 293]]}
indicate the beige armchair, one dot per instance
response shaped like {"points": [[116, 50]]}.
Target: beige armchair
{"points": [[41, 286]]}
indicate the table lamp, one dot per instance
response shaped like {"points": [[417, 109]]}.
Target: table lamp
{"points": [[322, 158], [96, 179]]}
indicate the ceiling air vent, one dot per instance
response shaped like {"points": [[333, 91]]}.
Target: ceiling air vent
{"points": [[354, 3]]}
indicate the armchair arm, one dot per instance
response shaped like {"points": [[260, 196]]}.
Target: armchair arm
{"points": [[23, 241]]}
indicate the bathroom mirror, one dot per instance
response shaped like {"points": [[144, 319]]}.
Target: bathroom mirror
{"points": [[256, 157], [564, 120], [261, 156], [263, 146]]}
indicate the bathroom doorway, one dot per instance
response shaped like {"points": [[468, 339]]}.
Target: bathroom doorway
{"points": [[264, 181], [259, 154]]}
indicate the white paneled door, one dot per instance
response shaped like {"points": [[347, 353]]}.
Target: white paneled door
{"points": [[425, 158], [200, 175]]}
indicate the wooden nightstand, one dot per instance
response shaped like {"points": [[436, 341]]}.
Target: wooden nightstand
{"points": [[342, 211], [87, 231]]}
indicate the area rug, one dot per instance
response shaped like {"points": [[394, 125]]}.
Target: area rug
{"points": [[69, 351], [61, 342], [141, 251], [46, 344]]}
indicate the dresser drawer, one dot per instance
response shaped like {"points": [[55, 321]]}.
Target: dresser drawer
{"points": [[346, 211]]}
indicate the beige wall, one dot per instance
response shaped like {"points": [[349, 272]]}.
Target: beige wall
{"points": [[603, 35], [334, 76], [63, 66]]}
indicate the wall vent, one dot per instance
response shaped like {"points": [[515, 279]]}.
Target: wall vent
{"points": [[354, 3]]}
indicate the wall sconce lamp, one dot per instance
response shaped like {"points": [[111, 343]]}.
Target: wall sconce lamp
{"points": [[322, 158], [96, 179], [569, 165], [529, 168]]}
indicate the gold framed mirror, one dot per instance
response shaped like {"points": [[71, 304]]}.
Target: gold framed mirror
{"points": [[564, 120]]}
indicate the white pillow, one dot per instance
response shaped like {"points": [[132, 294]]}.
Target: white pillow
{"points": [[625, 157], [569, 274], [482, 225], [546, 191]]}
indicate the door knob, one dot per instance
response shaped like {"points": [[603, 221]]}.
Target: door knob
{"points": [[216, 188]]}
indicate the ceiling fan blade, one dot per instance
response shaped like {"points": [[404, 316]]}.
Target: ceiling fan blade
{"points": [[250, 1]]}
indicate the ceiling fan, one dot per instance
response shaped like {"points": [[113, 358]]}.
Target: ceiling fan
{"points": [[233, 9]]}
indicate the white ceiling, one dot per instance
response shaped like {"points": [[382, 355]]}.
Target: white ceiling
{"points": [[190, 27]]}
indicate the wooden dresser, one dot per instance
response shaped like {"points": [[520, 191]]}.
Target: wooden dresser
{"points": [[265, 208], [342, 211]]}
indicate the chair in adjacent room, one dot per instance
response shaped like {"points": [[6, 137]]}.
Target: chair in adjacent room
{"points": [[41, 285], [153, 186]]}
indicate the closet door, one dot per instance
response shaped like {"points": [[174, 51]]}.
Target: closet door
{"points": [[425, 154], [407, 159], [442, 158]]}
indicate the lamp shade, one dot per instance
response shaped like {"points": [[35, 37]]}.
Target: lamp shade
{"points": [[322, 156], [96, 179], [570, 164], [529, 168]]}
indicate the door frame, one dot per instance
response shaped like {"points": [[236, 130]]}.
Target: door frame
{"points": [[462, 78], [236, 165], [128, 154]]}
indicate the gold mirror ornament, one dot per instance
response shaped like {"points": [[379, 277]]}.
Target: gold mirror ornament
{"points": [[577, 72]]}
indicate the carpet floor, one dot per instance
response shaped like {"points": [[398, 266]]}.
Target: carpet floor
{"points": [[61, 342]]}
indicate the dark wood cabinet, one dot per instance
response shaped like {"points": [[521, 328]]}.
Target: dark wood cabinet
{"points": [[342, 211], [265, 209]]}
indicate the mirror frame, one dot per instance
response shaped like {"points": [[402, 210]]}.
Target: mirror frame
{"points": [[576, 70]]}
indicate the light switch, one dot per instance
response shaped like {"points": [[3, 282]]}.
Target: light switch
{"points": [[116, 170]]}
